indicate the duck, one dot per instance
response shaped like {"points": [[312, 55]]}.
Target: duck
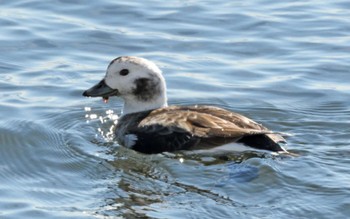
{"points": [[149, 125]]}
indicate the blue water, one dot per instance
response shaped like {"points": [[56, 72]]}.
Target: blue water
{"points": [[284, 64]]}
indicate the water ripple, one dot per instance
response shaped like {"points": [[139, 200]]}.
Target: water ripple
{"points": [[284, 64]]}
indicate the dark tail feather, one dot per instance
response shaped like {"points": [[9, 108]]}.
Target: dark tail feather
{"points": [[264, 142]]}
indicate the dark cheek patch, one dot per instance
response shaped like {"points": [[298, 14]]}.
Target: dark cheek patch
{"points": [[146, 88]]}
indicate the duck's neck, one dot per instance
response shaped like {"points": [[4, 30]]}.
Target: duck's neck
{"points": [[131, 105]]}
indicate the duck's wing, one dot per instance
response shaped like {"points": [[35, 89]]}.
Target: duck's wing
{"points": [[238, 119], [197, 123], [209, 126], [176, 130], [269, 141]]}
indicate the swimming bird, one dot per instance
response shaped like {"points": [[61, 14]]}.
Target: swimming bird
{"points": [[149, 125]]}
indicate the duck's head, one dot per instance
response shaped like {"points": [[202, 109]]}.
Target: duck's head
{"points": [[139, 82]]}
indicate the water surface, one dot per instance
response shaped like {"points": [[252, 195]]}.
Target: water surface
{"points": [[283, 64]]}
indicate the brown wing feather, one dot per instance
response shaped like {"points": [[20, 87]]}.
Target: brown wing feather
{"points": [[204, 121]]}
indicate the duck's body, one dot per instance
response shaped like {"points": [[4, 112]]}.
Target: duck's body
{"points": [[190, 128], [148, 125]]}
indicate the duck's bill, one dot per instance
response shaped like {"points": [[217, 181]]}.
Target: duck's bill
{"points": [[101, 90]]}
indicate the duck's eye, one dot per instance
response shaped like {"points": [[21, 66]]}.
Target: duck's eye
{"points": [[124, 72]]}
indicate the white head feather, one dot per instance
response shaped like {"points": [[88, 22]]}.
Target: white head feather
{"points": [[143, 88]]}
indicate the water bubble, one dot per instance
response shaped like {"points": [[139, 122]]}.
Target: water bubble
{"points": [[109, 112], [101, 119], [93, 116]]}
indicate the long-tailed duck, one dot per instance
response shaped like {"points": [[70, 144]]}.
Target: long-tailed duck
{"points": [[149, 125]]}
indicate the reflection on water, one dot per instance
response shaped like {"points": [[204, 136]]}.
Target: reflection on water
{"points": [[107, 123], [284, 64]]}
